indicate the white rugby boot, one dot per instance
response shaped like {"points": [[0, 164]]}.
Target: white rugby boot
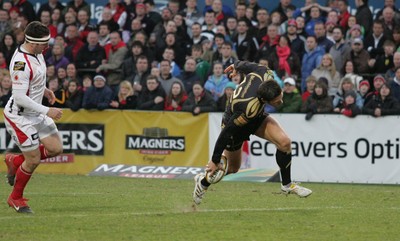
{"points": [[199, 189], [295, 188]]}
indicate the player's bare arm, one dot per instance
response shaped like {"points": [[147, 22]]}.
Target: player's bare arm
{"points": [[55, 113], [50, 96]]}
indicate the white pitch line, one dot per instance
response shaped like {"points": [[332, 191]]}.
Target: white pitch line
{"points": [[166, 212]]}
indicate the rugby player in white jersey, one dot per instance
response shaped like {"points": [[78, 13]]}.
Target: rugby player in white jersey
{"points": [[29, 123]]}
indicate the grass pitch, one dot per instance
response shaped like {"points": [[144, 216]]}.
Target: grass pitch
{"points": [[110, 208]]}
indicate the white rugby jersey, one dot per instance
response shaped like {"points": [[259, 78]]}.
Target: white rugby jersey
{"points": [[28, 75]]}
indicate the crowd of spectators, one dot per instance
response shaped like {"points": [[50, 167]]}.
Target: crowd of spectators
{"points": [[140, 57]]}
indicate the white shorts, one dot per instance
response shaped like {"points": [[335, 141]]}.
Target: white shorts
{"points": [[27, 131]]}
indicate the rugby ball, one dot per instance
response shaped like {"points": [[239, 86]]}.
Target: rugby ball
{"points": [[218, 174]]}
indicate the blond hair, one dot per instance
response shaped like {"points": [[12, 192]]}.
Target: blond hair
{"points": [[128, 85]]}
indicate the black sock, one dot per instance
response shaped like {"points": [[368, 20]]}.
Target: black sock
{"points": [[284, 161], [205, 183]]}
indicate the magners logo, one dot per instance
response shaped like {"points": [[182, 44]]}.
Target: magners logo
{"points": [[155, 141]]}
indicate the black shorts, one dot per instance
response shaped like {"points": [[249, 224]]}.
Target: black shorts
{"points": [[244, 133]]}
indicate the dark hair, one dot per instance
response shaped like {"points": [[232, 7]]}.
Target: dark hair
{"points": [[36, 29], [228, 43], [269, 90], [178, 98], [219, 35], [287, 40], [338, 27]]}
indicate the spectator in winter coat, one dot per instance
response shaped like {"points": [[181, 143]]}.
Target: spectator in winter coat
{"points": [[125, 99], [189, 75], [349, 108], [318, 102], [176, 97], [291, 98], [91, 54], [152, 97], [395, 85], [311, 81], [382, 104], [283, 60], [346, 85], [228, 92], [199, 101], [311, 60], [97, 96], [74, 96], [217, 81], [327, 69], [58, 58]]}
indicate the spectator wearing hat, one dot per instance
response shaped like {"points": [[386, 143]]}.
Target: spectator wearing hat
{"points": [[364, 15], [395, 85], [297, 42], [374, 41], [340, 49], [356, 31], [363, 89], [382, 104], [378, 81], [349, 107], [359, 56], [98, 96], [346, 84], [223, 101], [291, 98], [319, 102], [384, 61], [328, 70], [311, 59]]}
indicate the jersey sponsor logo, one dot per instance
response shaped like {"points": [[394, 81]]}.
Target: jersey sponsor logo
{"points": [[19, 66]]}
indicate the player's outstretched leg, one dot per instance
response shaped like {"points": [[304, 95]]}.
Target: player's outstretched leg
{"points": [[284, 161]]}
